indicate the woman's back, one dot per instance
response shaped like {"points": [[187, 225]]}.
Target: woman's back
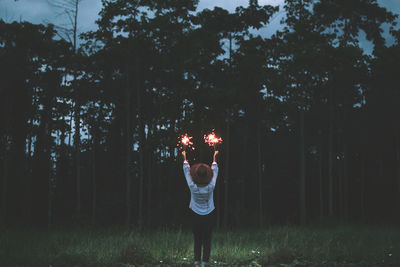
{"points": [[202, 197]]}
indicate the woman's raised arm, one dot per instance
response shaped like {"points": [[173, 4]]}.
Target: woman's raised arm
{"points": [[215, 156]]}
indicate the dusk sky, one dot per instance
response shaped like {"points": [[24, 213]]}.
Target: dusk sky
{"points": [[40, 11]]}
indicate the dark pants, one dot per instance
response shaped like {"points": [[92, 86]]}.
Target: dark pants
{"points": [[202, 227]]}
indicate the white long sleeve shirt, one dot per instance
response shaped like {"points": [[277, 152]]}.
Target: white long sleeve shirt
{"points": [[202, 198]]}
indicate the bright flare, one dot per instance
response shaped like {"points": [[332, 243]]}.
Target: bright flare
{"points": [[212, 140], [185, 142]]}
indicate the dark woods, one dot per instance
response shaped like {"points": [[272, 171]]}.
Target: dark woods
{"points": [[309, 122]]}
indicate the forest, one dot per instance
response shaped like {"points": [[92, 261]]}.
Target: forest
{"points": [[90, 121]]}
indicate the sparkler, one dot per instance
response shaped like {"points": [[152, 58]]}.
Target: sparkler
{"points": [[184, 142], [212, 140]]}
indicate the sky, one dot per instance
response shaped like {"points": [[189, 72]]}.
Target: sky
{"points": [[40, 11]]}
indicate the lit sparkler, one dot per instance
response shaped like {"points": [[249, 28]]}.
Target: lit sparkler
{"points": [[212, 140], [185, 142]]}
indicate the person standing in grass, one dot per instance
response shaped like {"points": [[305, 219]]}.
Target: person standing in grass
{"points": [[201, 180]]}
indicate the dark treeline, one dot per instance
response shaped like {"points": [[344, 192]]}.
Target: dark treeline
{"points": [[309, 121]]}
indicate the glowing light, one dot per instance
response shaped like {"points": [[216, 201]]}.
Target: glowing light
{"points": [[212, 140], [185, 142]]}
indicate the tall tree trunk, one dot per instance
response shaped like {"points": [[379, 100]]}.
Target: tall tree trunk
{"points": [[345, 181], [340, 189], [94, 174], [346, 137], [330, 156], [75, 24], [77, 141], [227, 157], [50, 197], [141, 143], [363, 180], [128, 147], [226, 175], [397, 197], [51, 176], [4, 182], [149, 186], [380, 164], [398, 161], [41, 174], [77, 138], [302, 171], [70, 127], [47, 159], [260, 184], [320, 171], [321, 195], [28, 181]]}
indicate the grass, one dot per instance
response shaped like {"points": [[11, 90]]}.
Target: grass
{"points": [[351, 245]]}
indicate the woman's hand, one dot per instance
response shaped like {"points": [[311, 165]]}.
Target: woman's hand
{"points": [[215, 155], [184, 155]]}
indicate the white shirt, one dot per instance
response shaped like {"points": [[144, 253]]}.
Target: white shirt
{"points": [[202, 198]]}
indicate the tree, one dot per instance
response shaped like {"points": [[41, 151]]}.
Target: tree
{"points": [[299, 52], [345, 77], [69, 31], [382, 98]]}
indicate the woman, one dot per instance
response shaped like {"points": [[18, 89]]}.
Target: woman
{"points": [[201, 180]]}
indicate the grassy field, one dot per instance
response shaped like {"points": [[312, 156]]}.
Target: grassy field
{"points": [[273, 246]]}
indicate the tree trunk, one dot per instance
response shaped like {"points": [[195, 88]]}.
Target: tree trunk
{"points": [[260, 184], [330, 156], [302, 171], [227, 157], [28, 181], [47, 158], [345, 181], [398, 161], [49, 197], [320, 170], [226, 175], [4, 182], [321, 195], [77, 138], [347, 109], [141, 143], [363, 180], [77, 141], [397, 197], [128, 147], [149, 185], [340, 189], [380, 164], [75, 24], [42, 174], [94, 173], [70, 128]]}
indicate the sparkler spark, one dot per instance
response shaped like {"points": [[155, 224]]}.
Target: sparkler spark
{"points": [[185, 142], [212, 140]]}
